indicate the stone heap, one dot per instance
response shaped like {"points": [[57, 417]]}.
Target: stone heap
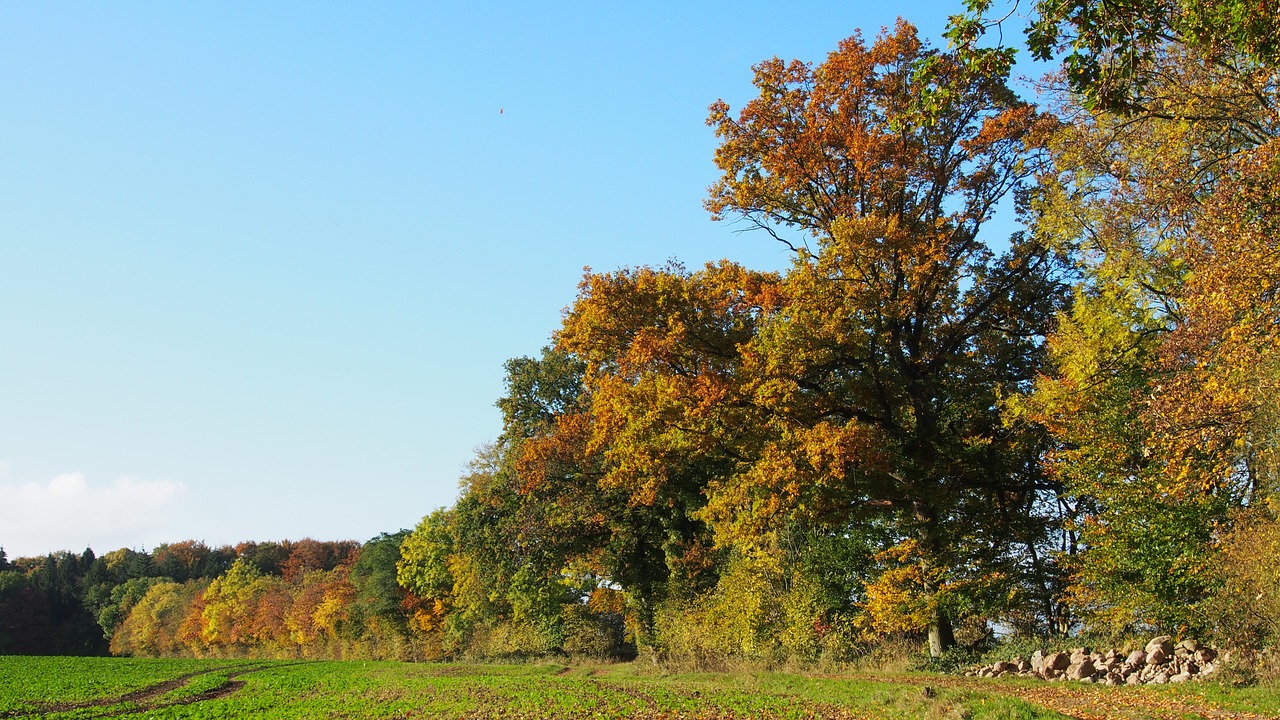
{"points": [[1160, 662]]}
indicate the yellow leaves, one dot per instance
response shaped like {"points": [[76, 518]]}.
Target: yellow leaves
{"points": [[154, 624], [321, 602], [607, 600], [898, 602], [228, 604], [834, 451], [429, 617], [1221, 359], [663, 349]]}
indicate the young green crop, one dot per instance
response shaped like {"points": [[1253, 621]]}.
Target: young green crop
{"points": [[83, 688]]}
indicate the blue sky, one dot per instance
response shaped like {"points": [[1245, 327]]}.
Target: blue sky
{"points": [[262, 262]]}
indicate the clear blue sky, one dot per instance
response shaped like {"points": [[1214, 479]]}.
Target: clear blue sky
{"points": [[262, 262]]}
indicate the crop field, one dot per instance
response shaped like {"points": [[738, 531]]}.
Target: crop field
{"points": [[83, 688]]}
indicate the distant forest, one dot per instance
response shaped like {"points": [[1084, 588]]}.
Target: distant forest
{"points": [[921, 429]]}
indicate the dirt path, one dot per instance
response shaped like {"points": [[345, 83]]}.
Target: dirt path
{"points": [[1079, 701], [142, 700]]}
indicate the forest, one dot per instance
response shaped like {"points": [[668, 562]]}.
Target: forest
{"points": [[926, 429]]}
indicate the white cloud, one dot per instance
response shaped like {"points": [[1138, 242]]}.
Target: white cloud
{"points": [[69, 513]]}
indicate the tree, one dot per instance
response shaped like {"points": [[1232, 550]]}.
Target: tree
{"points": [[307, 555], [378, 607], [423, 569], [663, 415], [1114, 50], [1216, 412], [156, 626], [26, 625], [121, 600], [1155, 394], [901, 334], [190, 559], [320, 608], [230, 602]]}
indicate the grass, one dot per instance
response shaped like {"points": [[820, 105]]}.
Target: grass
{"points": [[83, 688], [94, 687], [1263, 699], [28, 681]]}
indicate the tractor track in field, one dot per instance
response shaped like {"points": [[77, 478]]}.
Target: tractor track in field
{"points": [[142, 700]]}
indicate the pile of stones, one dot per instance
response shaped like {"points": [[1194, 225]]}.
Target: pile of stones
{"points": [[1159, 663]]}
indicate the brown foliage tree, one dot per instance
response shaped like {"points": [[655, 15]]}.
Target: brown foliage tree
{"points": [[899, 334]]}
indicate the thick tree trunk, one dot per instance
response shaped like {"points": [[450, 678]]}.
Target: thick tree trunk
{"points": [[941, 637]]}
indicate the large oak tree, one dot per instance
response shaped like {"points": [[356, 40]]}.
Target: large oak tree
{"points": [[901, 327]]}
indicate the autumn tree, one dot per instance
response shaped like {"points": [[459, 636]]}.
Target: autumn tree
{"points": [[1156, 390], [423, 570], [230, 603], [190, 559], [154, 625], [662, 418], [307, 555], [901, 331]]}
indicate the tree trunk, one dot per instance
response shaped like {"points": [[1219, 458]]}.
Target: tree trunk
{"points": [[941, 637]]}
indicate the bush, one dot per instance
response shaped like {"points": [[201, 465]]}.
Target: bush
{"points": [[1248, 606]]}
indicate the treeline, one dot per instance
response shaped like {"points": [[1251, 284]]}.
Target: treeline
{"points": [[274, 599], [923, 428]]}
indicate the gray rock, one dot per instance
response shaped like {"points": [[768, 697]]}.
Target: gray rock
{"points": [[1180, 678], [1081, 670], [1058, 661], [1205, 656], [1157, 656], [1137, 658], [1164, 642]]}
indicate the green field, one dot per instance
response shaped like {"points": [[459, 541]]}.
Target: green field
{"points": [[121, 687]]}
